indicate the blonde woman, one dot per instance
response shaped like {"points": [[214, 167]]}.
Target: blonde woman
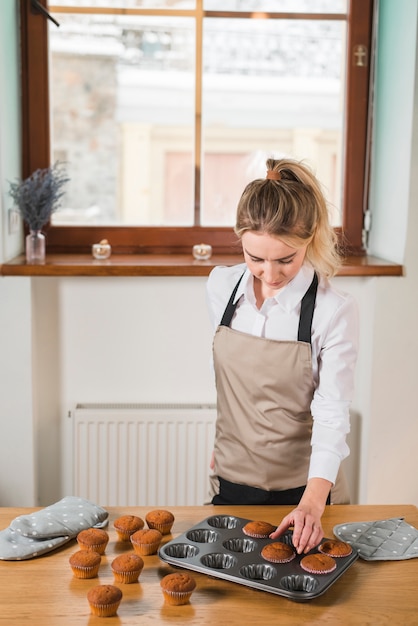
{"points": [[284, 354]]}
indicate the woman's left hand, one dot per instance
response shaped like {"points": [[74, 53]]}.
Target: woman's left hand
{"points": [[306, 517], [307, 529]]}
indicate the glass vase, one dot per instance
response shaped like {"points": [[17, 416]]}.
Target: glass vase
{"points": [[35, 247]]}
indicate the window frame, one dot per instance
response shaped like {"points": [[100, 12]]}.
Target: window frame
{"points": [[172, 240]]}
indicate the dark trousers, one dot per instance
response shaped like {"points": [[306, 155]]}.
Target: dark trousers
{"points": [[233, 493]]}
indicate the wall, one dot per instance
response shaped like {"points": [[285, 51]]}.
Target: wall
{"points": [[393, 123], [392, 463], [17, 445], [10, 243], [109, 352], [67, 340]]}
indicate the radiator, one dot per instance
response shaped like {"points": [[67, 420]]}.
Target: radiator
{"points": [[142, 454]]}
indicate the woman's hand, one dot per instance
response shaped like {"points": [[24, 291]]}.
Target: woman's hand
{"points": [[306, 517], [212, 461], [307, 529]]}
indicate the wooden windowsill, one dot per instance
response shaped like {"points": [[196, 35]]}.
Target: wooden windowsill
{"points": [[166, 265]]}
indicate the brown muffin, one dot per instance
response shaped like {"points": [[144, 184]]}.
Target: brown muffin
{"points": [[104, 600], [126, 525], [258, 529], [161, 520], [85, 563], [335, 548], [126, 568], [177, 588], [318, 564], [146, 541], [93, 539], [278, 552]]}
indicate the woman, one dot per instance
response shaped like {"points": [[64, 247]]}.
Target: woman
{"points": [[284, 355]]}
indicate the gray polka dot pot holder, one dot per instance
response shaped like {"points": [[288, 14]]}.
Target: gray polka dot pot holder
{"points": [[32, 535], [382, 540]]}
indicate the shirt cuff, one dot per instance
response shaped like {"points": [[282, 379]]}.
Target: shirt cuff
{"points": [[324, 465]]}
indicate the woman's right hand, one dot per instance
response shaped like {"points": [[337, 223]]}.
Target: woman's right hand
{"points": [[212, 461]]}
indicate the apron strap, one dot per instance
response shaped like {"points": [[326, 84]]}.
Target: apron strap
{"points": [[306, 310], [231, 306]]}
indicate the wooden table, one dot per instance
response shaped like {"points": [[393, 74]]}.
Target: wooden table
{"points": [[43, 591]]}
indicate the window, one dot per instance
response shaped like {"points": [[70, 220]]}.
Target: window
{"points": [[164, 109]]}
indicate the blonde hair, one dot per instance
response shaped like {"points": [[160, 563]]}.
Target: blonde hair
{"points": [[290, 204]]}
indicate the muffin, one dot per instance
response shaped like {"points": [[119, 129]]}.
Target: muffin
{"points": [[160, 520], [318, 564], [278, 552], [126, 568], [104, 600], [177, 588], [146, 541], [85, 563], [258, 529], [93, 539], [126, 525], [335, 548]]}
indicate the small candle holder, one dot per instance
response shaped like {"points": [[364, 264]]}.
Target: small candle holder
{"points": [[101, 250], [202, 251]]}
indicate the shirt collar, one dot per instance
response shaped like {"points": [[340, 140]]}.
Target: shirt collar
{"points": [[289, 297]]}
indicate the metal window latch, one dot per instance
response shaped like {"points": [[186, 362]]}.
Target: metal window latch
{"points": [[367, 223], [360, 56], [37, 6]]}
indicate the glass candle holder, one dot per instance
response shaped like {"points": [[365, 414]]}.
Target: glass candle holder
{"points": [[101, 250], [202, 251]]}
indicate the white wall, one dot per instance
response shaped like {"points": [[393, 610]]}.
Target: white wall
{"points": [[393, 123], [17, 443], [392, 466], [17, 446], [10, 243], [129, 340], [67, 340]]}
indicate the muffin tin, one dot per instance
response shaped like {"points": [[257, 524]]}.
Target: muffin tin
{"points": [[218, 546]]}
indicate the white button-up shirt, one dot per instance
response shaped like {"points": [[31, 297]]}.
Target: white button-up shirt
{"points": [[334, 348]]}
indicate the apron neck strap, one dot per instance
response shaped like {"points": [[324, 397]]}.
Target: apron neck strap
{"points": [[306, 310], [231, 306]]}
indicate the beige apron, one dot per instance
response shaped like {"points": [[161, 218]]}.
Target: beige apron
{"points": [[264, 425]]}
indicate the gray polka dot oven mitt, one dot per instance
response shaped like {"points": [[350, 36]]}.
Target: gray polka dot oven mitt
{"points": [[29, 536], [381, 540]]}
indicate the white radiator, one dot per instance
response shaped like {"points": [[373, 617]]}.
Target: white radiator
{"points": [[142, 454]]}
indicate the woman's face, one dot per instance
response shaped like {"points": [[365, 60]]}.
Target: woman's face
{"points": [[271, 261]]}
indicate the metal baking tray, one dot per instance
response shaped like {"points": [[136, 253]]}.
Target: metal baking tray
{"points": [[217, 546]]}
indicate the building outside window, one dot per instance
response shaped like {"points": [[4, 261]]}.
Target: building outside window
{"points": [[164, 110]]}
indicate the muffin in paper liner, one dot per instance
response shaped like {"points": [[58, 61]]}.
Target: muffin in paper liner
{"points": [[85, 563], [93, 539], [278, 552], [335, 548], [127, 525], [177, 588], [161, 520], [127, 568], [146, 541], [258, 529], [318, 564], [104, 600]]}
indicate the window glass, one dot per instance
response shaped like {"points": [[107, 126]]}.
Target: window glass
{"points": [[124, 118], [163, 110], [290, 6], [270, 88], [122, 101], [125, 4]]}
